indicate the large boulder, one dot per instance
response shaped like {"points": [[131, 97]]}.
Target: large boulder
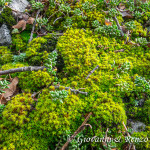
{"points": [[19, 5], [5, 37]]}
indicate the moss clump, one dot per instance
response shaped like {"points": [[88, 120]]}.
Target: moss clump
{"points": [[139, 30], [6, 17], [142, 136], [78, 51], [105, 111], [5, 55], [52, 118], [17, 43], [17, 110], [35, 80], [21, 139], [39, 48]]}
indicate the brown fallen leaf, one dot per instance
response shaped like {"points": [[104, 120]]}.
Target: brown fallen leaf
{"points": [[12, 88], [25, 17], [148, 44], [108, 23], [30, 20], [1, 79], [2, 99], [121, 6], [126, 15], [20, 24], [124, 29], [144, 1]]}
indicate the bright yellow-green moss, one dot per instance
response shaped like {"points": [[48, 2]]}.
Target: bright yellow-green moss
{"points": [[35, 80], [39, 49], [17, 110], [139, 30], [22, 140], [78, 51], [18, 43], [52, 118], [105, 111], [143, 136], [5, 55], [13, 65]]}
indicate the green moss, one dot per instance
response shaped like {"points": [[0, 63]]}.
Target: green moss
{"points": [[78, 51], [144, 137], [17, 43], [38, 49], [20, 139], [25, 35], [13, 65], [51, 118], [35, 81], [5, 55], [17, 110], [6, 17]]}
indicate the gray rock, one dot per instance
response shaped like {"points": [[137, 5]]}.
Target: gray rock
{"points": [[141, 102], [136, 126], [19, 5], [5, 37]]}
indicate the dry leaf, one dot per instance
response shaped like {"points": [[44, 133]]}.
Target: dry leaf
{"points": [[126, 15], [121, 6], [12, 88], [20, 24], [1, 79], [124, 29], [148, 44], [30, 20], [108, 23], [25, 17], [2, 99], [144, 1]]}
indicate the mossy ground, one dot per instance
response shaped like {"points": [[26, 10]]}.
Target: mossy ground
{"points": [[114, 89]]}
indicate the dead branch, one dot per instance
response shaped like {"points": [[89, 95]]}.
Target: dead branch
{"points": [[72, 90], [120, 50], [33, 27], [131, 145], [118, 25], [77, 131], [22, 69], [92, 71]]}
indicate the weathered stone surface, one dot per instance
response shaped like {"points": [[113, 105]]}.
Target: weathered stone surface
{"points": [[5, 37], [136, 126], [19, 5]]}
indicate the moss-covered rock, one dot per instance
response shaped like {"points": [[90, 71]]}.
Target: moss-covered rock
{"points": [[7, 18]]}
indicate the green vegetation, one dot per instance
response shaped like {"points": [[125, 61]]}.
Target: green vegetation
{"points": [[96, 58]]}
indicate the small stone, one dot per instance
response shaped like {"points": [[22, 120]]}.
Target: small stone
{"points": [[136, 126], [19, 5], [5, 37]]}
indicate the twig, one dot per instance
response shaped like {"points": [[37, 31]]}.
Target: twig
{"points": [[120, 50], [33, 27], [22, 69], [132, 145], [118, 25], [127, 37], [52, 15], [72, 90], [57, 19], [77, 131], [92, 71]]}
